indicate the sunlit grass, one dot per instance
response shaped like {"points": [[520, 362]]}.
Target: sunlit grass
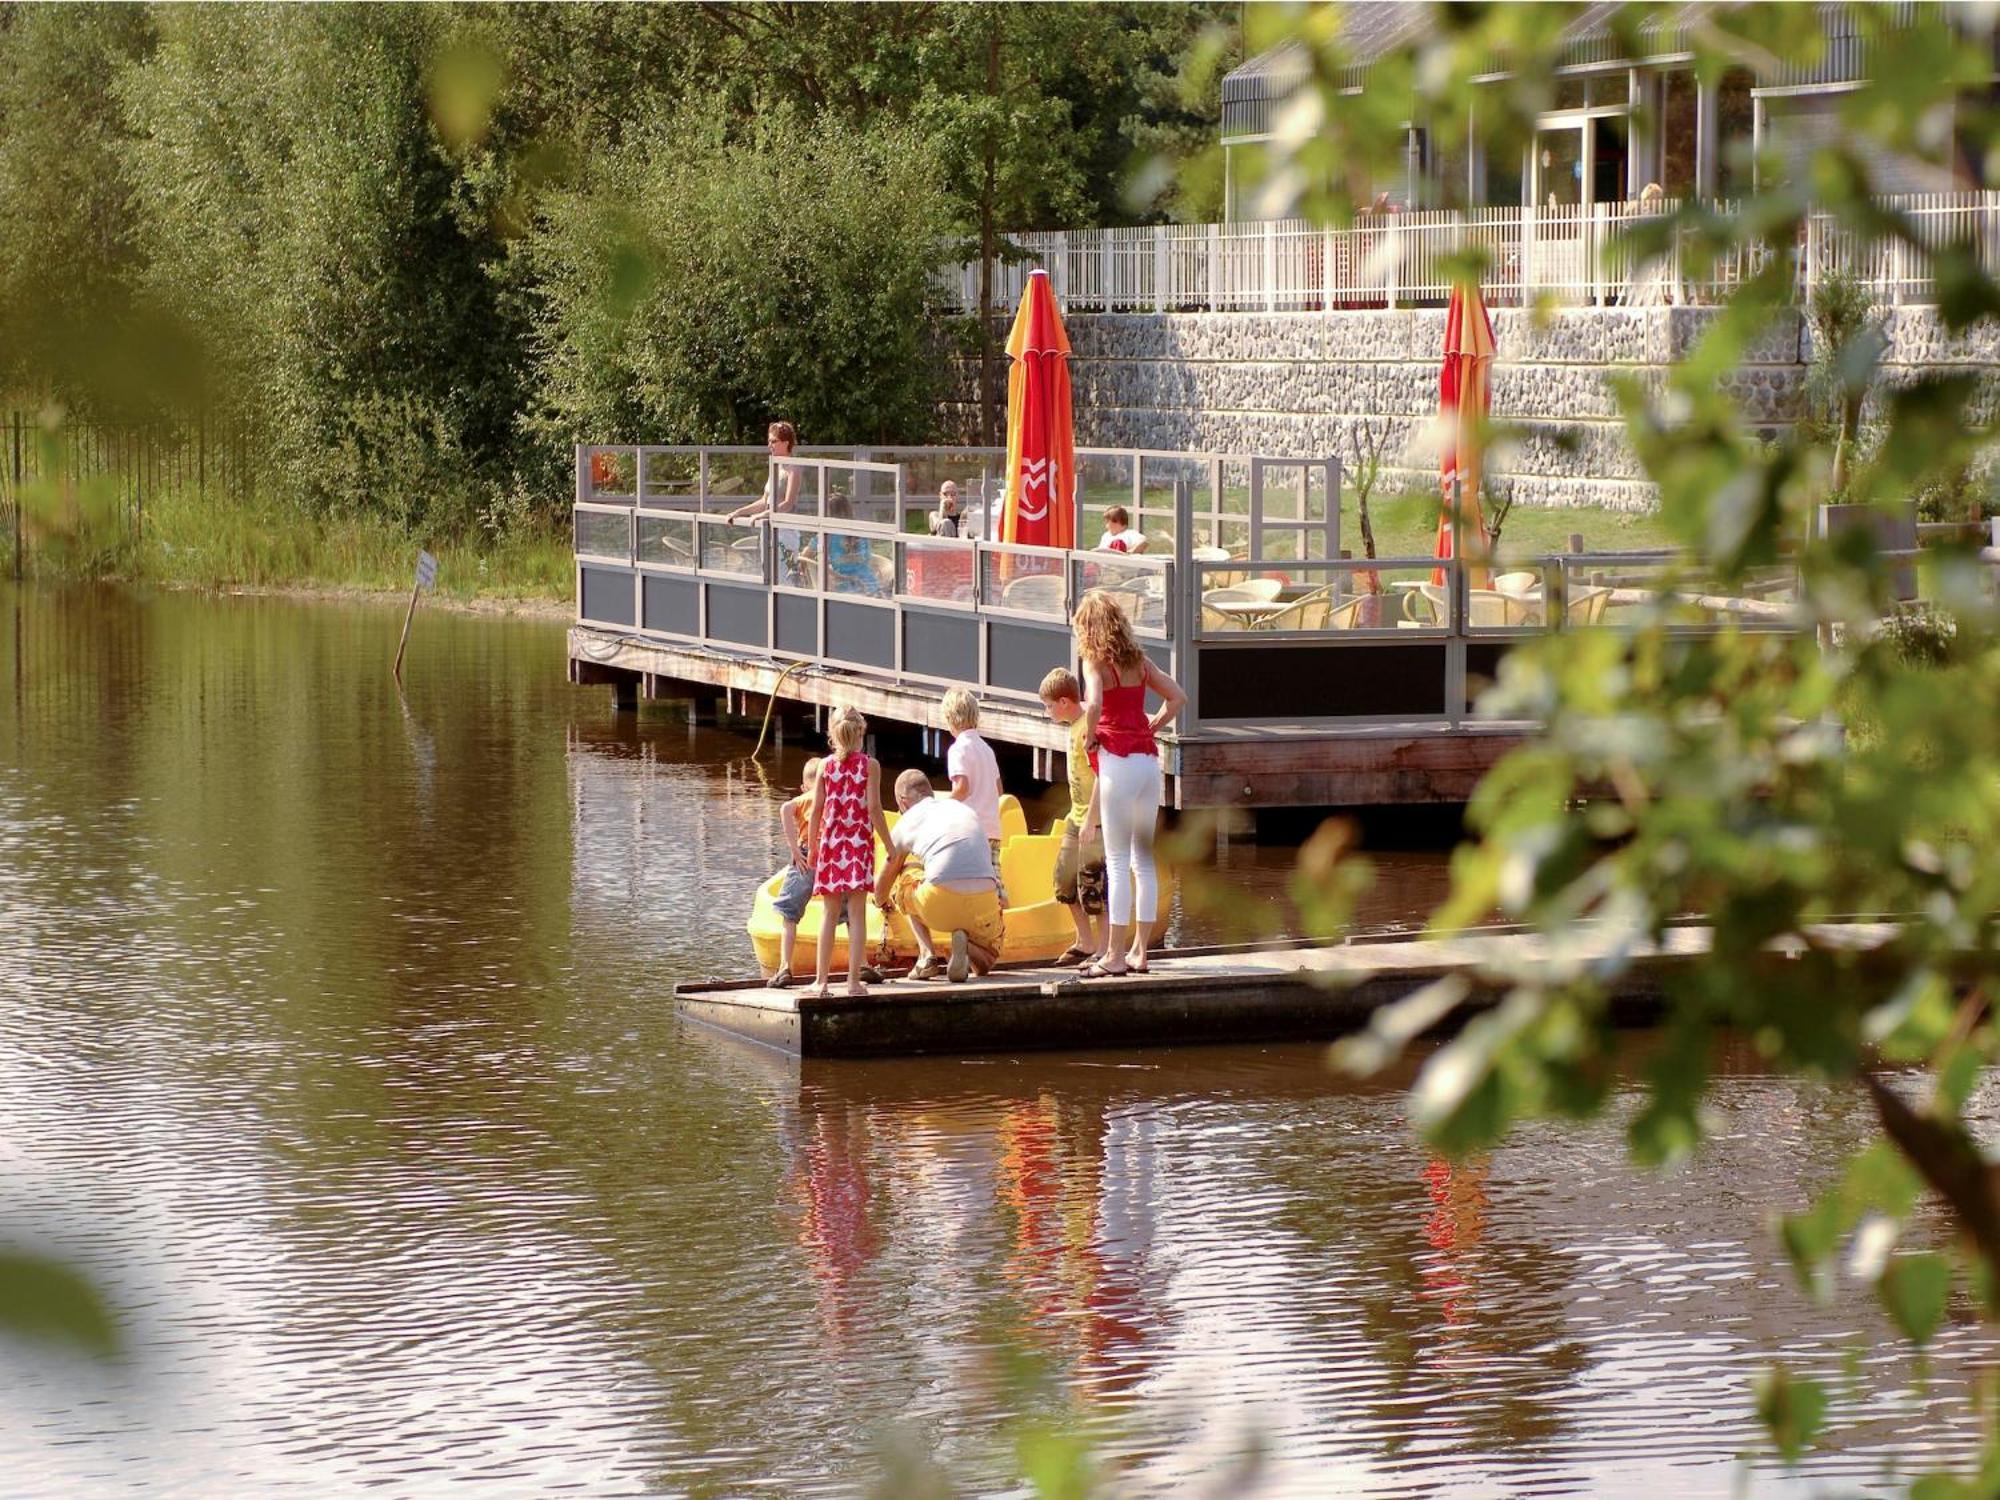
{"points": [[196, 540]]}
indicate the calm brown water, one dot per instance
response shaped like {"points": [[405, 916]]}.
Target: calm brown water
{"points": [[336, 1043]]}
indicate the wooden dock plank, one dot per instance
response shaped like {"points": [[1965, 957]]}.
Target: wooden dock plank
{"points": [[1271, 994]]}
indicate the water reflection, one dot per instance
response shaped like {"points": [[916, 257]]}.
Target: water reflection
{"points": [[338, 1046]]}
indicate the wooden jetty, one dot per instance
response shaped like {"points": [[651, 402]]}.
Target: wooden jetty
{"points": [[1265, 993]]}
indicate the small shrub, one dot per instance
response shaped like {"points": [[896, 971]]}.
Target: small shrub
{"points": [[1921, 636]]}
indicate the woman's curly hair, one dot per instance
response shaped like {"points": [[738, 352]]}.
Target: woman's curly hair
{"points": [[1104, 634]]}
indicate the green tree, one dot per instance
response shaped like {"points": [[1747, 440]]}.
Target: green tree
{"points": [[695, 286], [298, 204], [1775, 782], [67, 243]]}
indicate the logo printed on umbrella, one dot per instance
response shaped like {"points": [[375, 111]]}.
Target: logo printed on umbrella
{"points": [[1034, 476]]}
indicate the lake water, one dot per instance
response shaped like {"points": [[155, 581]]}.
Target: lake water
{"points": [[336, 1044]]}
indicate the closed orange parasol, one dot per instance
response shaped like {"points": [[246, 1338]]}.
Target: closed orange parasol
{"points": [[1039, 506], [1465, 395]]}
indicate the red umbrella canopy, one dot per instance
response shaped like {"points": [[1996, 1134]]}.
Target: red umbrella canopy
{"points": [[1040, 503], [1465, 394]]}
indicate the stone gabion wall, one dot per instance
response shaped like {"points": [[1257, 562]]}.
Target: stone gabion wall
{"points": [[1300, 384]]}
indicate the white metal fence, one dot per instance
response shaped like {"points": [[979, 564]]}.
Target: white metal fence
{"points": [[1569, 255]]}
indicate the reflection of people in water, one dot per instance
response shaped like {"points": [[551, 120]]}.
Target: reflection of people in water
{"points": [[1456, 1225], [1080, 1257], [830, 1177]]}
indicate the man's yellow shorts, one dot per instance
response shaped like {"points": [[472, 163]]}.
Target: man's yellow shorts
{"points": [[975, 913]]}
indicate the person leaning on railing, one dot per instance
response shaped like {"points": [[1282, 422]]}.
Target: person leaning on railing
{"points": [[781, 438]]}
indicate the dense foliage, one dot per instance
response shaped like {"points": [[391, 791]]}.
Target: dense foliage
{"points": [[1774, 783], [703, 285], [419, 250]]}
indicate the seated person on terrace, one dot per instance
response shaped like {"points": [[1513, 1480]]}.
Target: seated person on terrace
{"points": [[850, 562], [1118, 533], [958, 891], [948, 519]]}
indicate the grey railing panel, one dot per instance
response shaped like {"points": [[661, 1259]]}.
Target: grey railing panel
{"points": [[795, 621], [1019, 655], [941, 645], [672, 604], [861, 634], [606, 596], [738, 614]]}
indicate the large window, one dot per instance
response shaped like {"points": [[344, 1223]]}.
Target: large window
{"points": [[1735, 124], [1678, 127]]}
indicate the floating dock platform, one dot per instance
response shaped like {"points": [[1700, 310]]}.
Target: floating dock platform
{"points": [[1201, 996]]}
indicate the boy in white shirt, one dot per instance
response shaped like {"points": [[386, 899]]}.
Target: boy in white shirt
{"points": [[1118, 533], [974, 770]]}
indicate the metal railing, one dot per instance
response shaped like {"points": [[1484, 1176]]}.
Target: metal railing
{"points": [[1278, 630], [1577, 255]]}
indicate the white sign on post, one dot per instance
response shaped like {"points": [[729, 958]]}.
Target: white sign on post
{"points": [[427, 572]]}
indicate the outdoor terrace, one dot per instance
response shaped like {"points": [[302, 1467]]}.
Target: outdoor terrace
{"points": [[1314, 678]]}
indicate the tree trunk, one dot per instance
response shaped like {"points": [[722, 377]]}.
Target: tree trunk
{"points": [[988, 362]]}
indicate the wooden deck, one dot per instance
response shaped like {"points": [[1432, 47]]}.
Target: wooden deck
{"points": [[1200, 996], [1273, 764]]}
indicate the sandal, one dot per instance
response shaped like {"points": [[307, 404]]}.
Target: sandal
{"points": [[930, 968], [872, 975], [784, 979], [1098, 971], [1072, 955]]}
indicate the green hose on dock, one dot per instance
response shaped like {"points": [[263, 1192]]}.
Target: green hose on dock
{"points": [[771, 707]]}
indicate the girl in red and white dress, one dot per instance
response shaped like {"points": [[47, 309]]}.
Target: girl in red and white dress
{"points": [[846, 816]]}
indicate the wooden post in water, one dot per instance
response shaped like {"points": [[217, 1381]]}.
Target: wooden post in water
{"points": [[426, 576], [17, 497]]}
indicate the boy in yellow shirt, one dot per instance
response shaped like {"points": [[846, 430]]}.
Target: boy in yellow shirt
{"points": [[1079, 868]]}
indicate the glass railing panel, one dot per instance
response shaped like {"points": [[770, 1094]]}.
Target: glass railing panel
{"points": [[1103, 480], [1611, 590], [670, 479], [937, 571], [736, 478], [601, 533], [1026, 582], [1402, 595], [667, 541], [611, 473], [854, 564], [1139, 588], [1510, 594], [733, 549]]}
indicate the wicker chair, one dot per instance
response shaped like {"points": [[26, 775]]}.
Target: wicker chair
{"points": [[1587, 606], [1306, 613]]}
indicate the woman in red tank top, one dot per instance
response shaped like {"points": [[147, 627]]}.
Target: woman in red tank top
{"points": [[1125, 753]]}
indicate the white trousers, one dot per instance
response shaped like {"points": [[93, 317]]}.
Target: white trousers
{"points": [[1128, 805]]}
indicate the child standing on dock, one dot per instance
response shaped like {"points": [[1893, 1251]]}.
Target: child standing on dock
{"points": [[1079, 867], [972, 766], [798, 887], [846, 817]]}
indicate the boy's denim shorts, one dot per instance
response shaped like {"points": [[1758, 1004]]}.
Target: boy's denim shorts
{"points": [[796, 894]]}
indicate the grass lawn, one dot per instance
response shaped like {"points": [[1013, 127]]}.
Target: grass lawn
{"points": [[199, 540], [1406, 526]]}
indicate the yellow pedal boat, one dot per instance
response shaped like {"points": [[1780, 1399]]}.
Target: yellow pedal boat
{"points": [[1038, 927]]}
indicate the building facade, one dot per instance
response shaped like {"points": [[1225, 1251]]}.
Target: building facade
{"points": [[1622, 116]]}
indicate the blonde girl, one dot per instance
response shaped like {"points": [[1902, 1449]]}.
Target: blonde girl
{"points": [[1120, 736], [845, 819]]}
